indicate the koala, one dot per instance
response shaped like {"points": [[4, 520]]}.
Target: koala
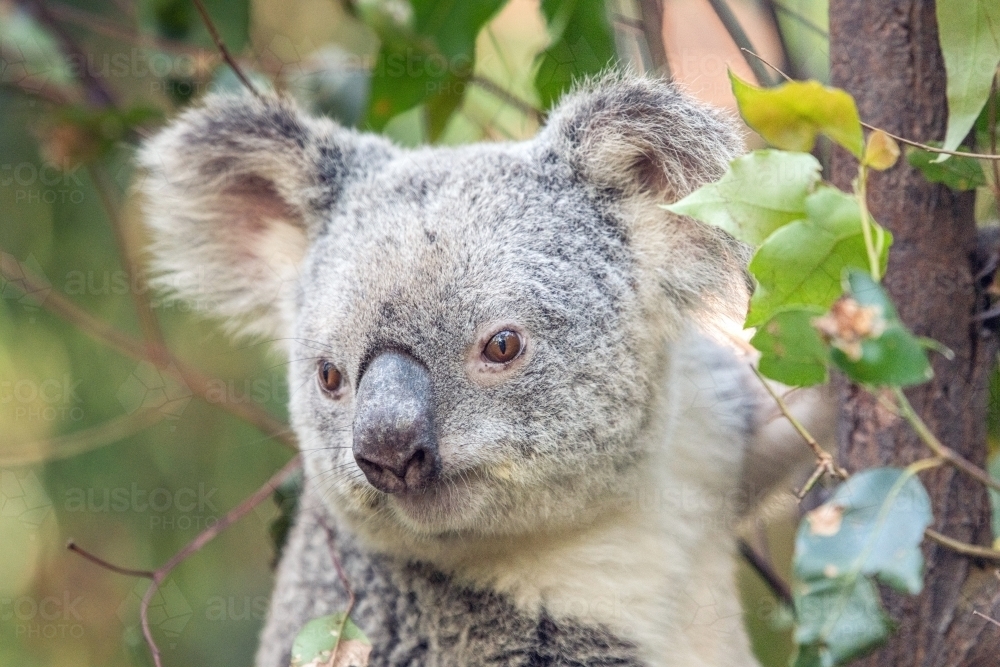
{"points": [[523, 442]]}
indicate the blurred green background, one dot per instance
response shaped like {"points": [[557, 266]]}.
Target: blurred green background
{"points": [[132, 461]]}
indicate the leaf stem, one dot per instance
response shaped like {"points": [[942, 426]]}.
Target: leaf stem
{"points": [[825, 463], [963, 548], [873, 248], [952, 457]]}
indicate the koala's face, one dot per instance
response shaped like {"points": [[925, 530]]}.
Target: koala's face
{"points": [[465, 336], [475, 334]]}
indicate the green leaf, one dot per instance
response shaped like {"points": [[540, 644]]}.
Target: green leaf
{"points": [[872, 527], [760, 192], [958, 173], [801, 264], [790, 116], [969, 32], [582, 44], [427, 55], [839, 620], [896, 357], [792, 351], [316, 641], [994, 469]]}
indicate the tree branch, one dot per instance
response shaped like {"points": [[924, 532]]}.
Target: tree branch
{"points": [[197, 383], [739, 36], [161, 573], [81, 441], [223, 50], [652, 31], [762, 567]]}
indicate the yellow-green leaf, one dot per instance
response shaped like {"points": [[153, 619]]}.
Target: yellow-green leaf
{"points": [[790, 116], [881, 151]]}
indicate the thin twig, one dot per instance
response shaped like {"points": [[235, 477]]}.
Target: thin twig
{"points": [[952, 457], [786, 58], [199, 384], [344, 581], [987, 618], [107, 28], [511, 99], [762, 566], [739, 36], [161, 573], [81, 441], [824, 460], [97, 560], [223, 51], [932, 149], [963, 548]]}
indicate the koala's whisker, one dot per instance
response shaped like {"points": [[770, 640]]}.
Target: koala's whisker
{"points": [[322, 345]]}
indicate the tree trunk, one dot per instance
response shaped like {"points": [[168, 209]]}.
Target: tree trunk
{"points": [[886, 54]]}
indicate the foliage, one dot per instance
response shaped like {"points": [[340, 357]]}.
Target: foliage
{"points": [[331, 641], [817, 304], [969, 32], [872, 527]]}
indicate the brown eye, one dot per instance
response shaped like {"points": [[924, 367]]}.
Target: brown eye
{"points": [[503, 347], [330, 378]]}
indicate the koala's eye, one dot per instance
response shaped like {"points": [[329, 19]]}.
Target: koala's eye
{"points": [[330, 378], [503, 347]]}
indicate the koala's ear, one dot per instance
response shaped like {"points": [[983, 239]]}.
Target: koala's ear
{"points": [[639, 143], [233, 191], [641, 136]]}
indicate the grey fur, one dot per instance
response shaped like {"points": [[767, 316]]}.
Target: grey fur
{"points": [[345, 245]]}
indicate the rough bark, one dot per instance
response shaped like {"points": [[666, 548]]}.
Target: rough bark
{"points": [[886, 54]]}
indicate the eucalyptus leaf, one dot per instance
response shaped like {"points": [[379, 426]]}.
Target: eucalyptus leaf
{"points": [[879, 522], [969, 33], [958, 173], [583, 44], [994, 469], [839, 620], [801, 264], [761, 191], [790, 116], [895, 357], [426, 56], [791, 349], [316, 642], [871, 527]]}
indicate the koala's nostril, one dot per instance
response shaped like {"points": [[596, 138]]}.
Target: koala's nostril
{"points": [[394, 441]]}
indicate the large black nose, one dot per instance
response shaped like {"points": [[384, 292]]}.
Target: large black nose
{"points": [[394, 442]]}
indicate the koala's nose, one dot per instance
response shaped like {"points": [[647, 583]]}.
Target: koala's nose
{"points": [[394, 441]]}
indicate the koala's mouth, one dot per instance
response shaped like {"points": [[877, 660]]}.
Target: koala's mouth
{"points": [[448, 497]]}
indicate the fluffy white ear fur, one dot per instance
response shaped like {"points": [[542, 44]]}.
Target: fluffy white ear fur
{"points": [[233, 190]]}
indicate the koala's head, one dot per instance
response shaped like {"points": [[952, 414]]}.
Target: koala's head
{"points": [[476, 334]]}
